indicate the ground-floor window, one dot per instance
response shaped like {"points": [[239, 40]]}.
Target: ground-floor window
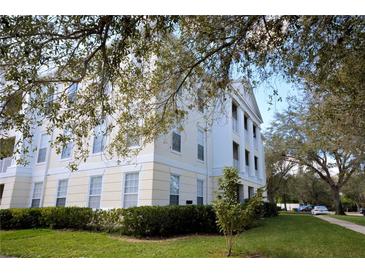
{"points": [[251, 192], [1, 192], [200, 191], [37, 194], [131, 189], [174, 189], [95, 191], [61, 192]]}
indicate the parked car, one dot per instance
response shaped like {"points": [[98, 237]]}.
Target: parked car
{"points": [[305, 208], [362, 211], [317, 210]]}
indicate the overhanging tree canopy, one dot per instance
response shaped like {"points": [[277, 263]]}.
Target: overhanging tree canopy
{"points": [[145, 60]]}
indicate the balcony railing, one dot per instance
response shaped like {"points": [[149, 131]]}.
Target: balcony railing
{"points": [[5, 163]]}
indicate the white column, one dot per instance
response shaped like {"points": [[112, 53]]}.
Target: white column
{"points": [[252, 147], [241, 131], [261, 154]]}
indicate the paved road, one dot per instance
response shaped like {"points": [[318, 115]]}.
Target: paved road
{"points": [[348, 225]]}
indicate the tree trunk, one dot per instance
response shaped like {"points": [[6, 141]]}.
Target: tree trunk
{"points": [[337, 200]]}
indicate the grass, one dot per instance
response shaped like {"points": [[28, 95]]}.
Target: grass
{"points": [[283, 236], [360, 220]]}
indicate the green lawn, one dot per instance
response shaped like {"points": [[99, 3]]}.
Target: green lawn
{"points": [[283, 236], [360, 220]]}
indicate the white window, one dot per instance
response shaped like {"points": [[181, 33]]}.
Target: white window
{"points": [[234, 118], [200, 191], [133, 141], [131, 189], [176, 141], [174, 189], [95, 191], [37, 194], [99, 138], [67, 149], [72, 92], [200, 146], [251, 192], [61, 192], [42, 151]]}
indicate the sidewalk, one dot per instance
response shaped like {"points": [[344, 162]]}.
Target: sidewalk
{"points": [[348, 225]]}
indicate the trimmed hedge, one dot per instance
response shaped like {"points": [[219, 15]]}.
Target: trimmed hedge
{"points": [[47, 217], [269, 210], [144, 221], [150, 221]]}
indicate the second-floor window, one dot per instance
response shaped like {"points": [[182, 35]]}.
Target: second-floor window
{"points": [[254, 131], [37, 194], [176, 141], [245, 121], [256, 163], [200, 146], [99, 138], [247, 157], [67, 149], [61, 192], [42, 151]]}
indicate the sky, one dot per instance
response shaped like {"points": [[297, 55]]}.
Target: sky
{"points": [[279, 102]]}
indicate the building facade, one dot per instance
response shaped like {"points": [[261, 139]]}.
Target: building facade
{"points": [[181, 167]]}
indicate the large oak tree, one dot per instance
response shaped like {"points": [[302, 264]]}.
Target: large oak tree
{"points": [[145, 62]]}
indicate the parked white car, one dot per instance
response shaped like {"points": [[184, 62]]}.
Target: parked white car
{"points": [[317, 210]]}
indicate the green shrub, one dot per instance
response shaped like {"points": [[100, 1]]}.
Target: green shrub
{"points": [[52, 217], [5, 218], [269, 210], [161, 221], [107, 220], [66, 217]]}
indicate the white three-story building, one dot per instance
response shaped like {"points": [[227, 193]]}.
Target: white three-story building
{"points": [[181, 167]]}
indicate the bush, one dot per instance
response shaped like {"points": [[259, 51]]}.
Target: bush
{"points": [[151, 221], [52, 217], [269, 210], [107, 220], [66, 217], [5, 218], [144, 221]]}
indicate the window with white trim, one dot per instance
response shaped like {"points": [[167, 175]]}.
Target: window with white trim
{"points": [[37, 194], [251, 192], [67, 149], [42, 150], [72, 92], [131, 181], [95, 191], [174, 189], [200, 146], [176, 141], [200, 191], [61, 192], [99, 138], [133, 141]]}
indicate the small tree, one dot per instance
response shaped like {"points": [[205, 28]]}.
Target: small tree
{"points": [[232, 218]]}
